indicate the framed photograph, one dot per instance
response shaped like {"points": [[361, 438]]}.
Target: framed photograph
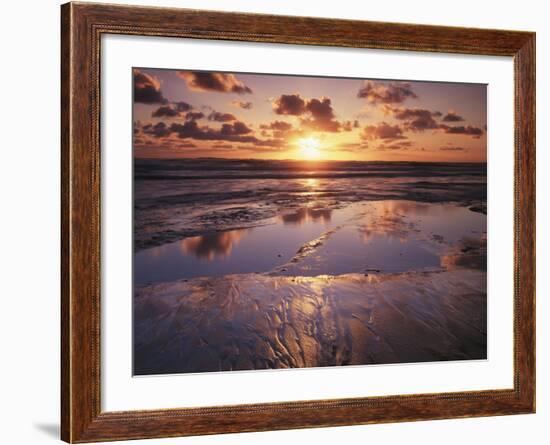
{"points": [[276, 222]]}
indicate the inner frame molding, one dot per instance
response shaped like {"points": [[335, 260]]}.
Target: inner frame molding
{"points": [[82, 26]]}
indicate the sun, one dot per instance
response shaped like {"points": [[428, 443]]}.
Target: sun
{"points": [[309, 147]]}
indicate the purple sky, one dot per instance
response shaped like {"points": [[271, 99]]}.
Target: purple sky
{"points": [[232, 115]]}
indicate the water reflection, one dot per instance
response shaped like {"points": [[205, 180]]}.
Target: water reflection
{"points": [[214, 245], [391, 237], [392, 219], [403, 207], [470, 253], [386, 225], [307, 214], [385, 236], [257, 249]]}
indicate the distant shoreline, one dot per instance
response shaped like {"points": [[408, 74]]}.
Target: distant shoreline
{"points": [[307, 162], [302, 176]]}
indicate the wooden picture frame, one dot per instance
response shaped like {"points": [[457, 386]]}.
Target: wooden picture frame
{"points": [[82, 26]]}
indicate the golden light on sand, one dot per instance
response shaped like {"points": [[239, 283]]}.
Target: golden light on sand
{"points": [[309, 147]]}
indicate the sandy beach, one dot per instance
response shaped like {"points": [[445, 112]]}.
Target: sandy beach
{"points": [[254, 321], [311, 272]]}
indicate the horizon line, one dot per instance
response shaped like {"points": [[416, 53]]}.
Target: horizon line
{"points": [[307, 161]]}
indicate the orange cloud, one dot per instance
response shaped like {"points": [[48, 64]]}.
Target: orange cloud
{"points": [[382, 130], [386, 93]]}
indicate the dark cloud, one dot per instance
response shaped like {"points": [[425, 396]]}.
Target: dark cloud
{"points": [[289, 104], [403, 113], [320, 109], [162, 135], [234, 132], [147, 89], [166, 143], [194, 115], [415, 119], [452, 148], [182, 106], [277, 125], [322, 115], [241, 104], [217, 82], [395, 145], [186, 130], [386, 92], [221, 117], [317, 114], [191, 129], [278, 129], [236, 128], [451, 116], [165, 111], [158, 130], [467, 130], [223, 146], [329, 125], [186, 145], [419, 119], [382, 131], [174, 109]]}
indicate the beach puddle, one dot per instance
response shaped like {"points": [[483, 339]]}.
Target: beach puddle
{"points": [[374, 237]]}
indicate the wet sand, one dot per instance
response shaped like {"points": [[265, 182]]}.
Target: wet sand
{"points": [[258, 321], [264, 265]]}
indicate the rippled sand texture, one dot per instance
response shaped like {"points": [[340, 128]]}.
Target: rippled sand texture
{"points": [[256, 321]]}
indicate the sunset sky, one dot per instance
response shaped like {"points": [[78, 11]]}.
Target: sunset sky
{"points": [[231, 115]]}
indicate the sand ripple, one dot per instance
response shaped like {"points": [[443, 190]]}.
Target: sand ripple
{"points": [[257, 321]]}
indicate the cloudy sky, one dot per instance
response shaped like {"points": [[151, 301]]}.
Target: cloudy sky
{"points": [[231, 115]]}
